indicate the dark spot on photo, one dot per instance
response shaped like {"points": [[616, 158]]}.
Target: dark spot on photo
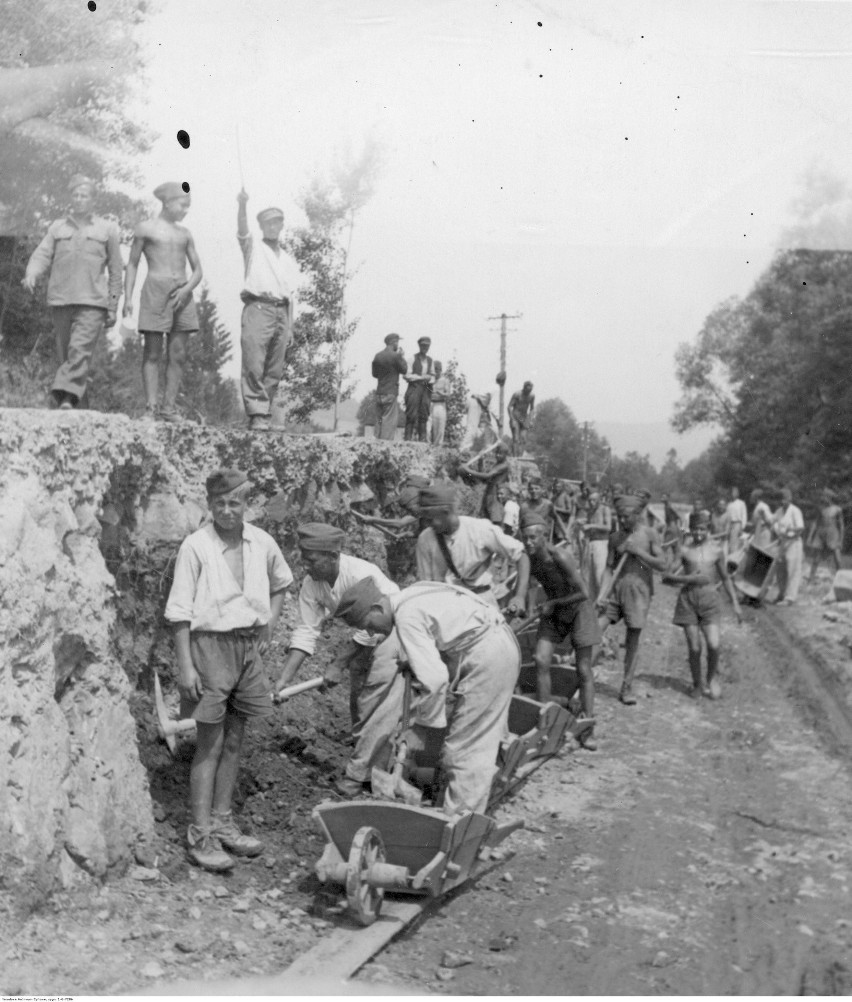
{"points": [[183, 138]]}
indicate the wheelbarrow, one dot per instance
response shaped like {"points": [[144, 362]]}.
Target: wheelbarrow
{"points": [[375, 846]]}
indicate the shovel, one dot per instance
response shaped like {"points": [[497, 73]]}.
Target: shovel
{"points": [[391, 785]]}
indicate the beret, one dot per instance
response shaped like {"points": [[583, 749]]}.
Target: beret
{"points": [[699, 519], [626, 504], [225, 481], [529, 518], [77, 180], [391, 337], [320, 536], [437, 496], [357, 600], [271, 213], [424, 340], [167, 190]]}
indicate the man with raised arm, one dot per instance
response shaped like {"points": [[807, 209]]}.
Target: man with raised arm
{"points": [[376, 688], [76, 252], [521, 406], [267, 318], [167, 314]]}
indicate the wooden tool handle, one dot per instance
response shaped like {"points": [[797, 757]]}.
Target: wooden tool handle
{"points": [[615, 575], [294, 690]]}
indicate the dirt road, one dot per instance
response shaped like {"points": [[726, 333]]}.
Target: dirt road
{"points": [[704, 849]]}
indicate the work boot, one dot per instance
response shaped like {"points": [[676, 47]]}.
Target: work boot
{"points": [[205, 850], [626, 696], [170, 415], [260, 422], [347, 787], [225, 829]]}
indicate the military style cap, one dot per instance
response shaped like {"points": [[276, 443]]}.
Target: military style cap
{"points": [[626, 504], [266, 215], [225, 481], [167, 190], [78, 180], [321, 536], [391, 337], [409, 497], [699, 519], [356, 602], [529, 518], [424, 340], [437, 496]]}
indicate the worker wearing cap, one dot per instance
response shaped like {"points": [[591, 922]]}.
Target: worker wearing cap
{"points": [[167, 314], [270, 277], [228, 590], [698, 609], [418, 396], [567, 613], [77, 252], [375, 696], [458, 549], [788, 526], [457, 646], [630, 596], [388, 365]]}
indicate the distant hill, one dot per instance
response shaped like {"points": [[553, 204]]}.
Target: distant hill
{"points": [[654, 439]]}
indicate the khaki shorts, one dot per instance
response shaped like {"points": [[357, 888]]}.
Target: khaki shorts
{"points": [[233, 677], [630, 601], [697, 605], [157, 307], [579, 623]]}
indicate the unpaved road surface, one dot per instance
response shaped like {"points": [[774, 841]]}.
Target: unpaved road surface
{"points": [[704, 849]]}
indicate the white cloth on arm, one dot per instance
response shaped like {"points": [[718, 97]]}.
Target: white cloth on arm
{"points": [[267, 273], [318, 600], [472, 547], [206, 594]]}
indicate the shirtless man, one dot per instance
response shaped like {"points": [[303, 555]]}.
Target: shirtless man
{"points": [[566, 613], [537, 502], [630, 597], [698, 609], [494, 479], [829, 532], [166, 307], [521, 405]]}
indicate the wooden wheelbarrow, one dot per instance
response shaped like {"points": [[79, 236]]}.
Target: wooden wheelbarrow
{"points": [[376, 846]]}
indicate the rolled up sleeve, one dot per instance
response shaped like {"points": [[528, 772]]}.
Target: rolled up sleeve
{"points": [[312, 614], [179, 607]]}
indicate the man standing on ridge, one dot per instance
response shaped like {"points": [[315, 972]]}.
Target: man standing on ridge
{"points": [[388, 365]]}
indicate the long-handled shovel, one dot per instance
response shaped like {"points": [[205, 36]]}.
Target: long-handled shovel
{"points": [[391, 785]]}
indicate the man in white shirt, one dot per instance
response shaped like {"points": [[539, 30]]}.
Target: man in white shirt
{"points": [[455, 644], [375, 698], [789, 527], [228, 589], [738, 516], [267, 318], [458, 549]]}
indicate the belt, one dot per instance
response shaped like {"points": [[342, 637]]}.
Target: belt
{"points": [[248, 632], [249, 297]]}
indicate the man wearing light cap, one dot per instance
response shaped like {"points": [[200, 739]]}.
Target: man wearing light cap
{"points": [[388, 365], [228, 590], [270, 278], [167, 314], [459, 647], [376, 688], [630, 597], [77, 251], [459, 550], [418, 396], [788, 526]]}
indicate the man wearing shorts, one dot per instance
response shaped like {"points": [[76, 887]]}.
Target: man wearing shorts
{"points": [[567, 613], [630, 597], [698, 609], [229, 583], [166, 308]]}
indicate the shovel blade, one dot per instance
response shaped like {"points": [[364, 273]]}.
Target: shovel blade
{"points": [[392, 787]]}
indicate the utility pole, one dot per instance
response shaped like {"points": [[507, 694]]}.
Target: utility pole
{"points": [[501, 379], [585, 451]]}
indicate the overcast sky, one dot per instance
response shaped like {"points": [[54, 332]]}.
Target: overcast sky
{"points": [[610, 169]]}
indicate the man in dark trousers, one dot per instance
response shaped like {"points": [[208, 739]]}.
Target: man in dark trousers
{"points": [[388, 366], [76, 252], [418, 396]]}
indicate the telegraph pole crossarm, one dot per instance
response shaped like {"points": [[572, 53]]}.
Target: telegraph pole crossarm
{"points": [[501, 378]]}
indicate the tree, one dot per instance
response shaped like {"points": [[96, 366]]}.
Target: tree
{"points": [[635, 470], [557, 438], [772, 371], [315, 373], [205, 391], [457, 403]]}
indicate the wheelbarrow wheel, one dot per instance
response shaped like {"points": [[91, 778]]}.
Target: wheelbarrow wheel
{"points": [[365, 902]]}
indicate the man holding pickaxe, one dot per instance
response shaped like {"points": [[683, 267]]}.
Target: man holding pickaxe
{"points": [[376, 687], [634, 554]]}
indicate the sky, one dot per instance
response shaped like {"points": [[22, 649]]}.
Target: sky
{"points": [[609, 170]]}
